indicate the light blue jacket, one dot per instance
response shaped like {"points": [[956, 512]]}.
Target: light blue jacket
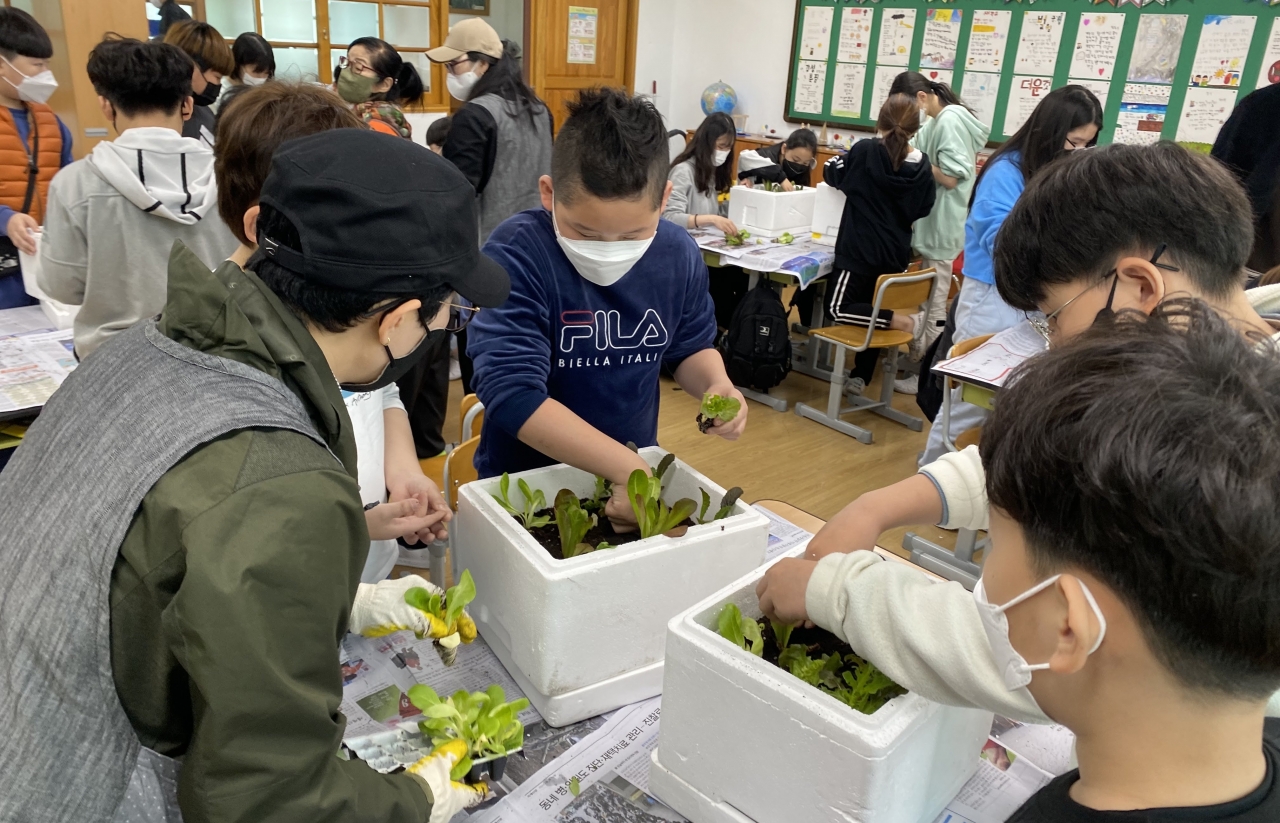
{"points": [[1000, 187]]}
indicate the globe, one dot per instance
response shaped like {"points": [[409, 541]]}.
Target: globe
{"points": [[719, 97]]}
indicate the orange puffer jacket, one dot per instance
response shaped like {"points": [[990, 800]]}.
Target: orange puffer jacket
{"points": [[14, 164]]}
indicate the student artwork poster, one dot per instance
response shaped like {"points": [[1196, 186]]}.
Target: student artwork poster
{"points": [[897, 30], [816, 34], [987, 39], [1101, 88], [1156, 48], [880, 88], [1269, 71], [1143, 110], [1097, 44], [1203, 113], [1024, 95], [982, 91], [847, 92], [1038, 42], [941, 38], [811, 83], [855, 34], [1222, 51]]}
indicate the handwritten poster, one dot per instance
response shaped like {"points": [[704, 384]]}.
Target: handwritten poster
{"points": [[880, 88], [847, 93], [815, 38], [941, 38], [582, 34], [1203, 113], [1156, 48], [938, 75], [981, 91], [1143, 109], [1024, 95], [1269, 73], [811, 82], [988, 36], [1224, 46], [1097, 43], [855, 34], [897, 30], [1100, 88], [1039, 41]]}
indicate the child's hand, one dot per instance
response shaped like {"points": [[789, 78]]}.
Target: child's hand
{"points": [[782, 590], [432, 512], [787, 185], [715, 221], [733, 429], [619, 511]]}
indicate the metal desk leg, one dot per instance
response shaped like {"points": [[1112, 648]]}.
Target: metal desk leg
{"points": [[942, 562], [438, 549], [763, 398], [835, 398]]}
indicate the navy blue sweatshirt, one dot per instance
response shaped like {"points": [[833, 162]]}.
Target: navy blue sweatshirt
{"points": [[598, 350]]}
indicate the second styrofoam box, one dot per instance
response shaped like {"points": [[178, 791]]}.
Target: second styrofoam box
{"points": [[828, 209], [61, 315], [771, 213], [726, 714], [572, 623]]}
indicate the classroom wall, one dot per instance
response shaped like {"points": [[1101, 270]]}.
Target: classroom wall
{"points": [[506, 17]]}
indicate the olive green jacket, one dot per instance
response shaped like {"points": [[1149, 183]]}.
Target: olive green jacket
{"points": [[233, 586]]}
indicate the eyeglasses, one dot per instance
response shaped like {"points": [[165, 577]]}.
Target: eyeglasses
{"points": [[460, 316], [358, 67], [1076, 146], [453, 65], [1042, 324]]}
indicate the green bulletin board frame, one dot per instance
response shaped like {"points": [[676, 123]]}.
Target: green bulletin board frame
{"points": [[1195, 10]]}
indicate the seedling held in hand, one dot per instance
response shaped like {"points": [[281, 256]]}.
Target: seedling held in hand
{"points": [[449, 623], [714, 407], [534, 502], [484, 720], [736, 239]]}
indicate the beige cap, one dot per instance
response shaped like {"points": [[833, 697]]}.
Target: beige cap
{"points": [[470, 35]]}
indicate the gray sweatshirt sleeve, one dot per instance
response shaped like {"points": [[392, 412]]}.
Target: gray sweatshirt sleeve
{"points": [[924, 634], [677, 212], [64, 249]]}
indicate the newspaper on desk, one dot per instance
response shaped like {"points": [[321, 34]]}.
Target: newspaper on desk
{"points": [[991, 363], [802, 259], [32, 367]]}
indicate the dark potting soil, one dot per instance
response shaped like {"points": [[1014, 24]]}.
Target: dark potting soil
{"points": [[548, 536], [817, 641]]}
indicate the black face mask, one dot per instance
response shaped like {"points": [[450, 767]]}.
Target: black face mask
{"points": [[1108, 314], [793, 169], [209, 96], [397, 367]]}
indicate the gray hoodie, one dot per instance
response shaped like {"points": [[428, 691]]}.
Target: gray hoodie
{"points": [[111, 223]]}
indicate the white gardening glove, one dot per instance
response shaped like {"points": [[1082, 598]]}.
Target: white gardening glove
{"points": [[379, 609], [448, 797]]}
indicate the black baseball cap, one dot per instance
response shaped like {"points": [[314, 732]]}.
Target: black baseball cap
{"points": [[379, 213]]}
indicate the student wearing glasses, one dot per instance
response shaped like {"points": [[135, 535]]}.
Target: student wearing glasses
{"points": [[376, 80], [1067, 119]]}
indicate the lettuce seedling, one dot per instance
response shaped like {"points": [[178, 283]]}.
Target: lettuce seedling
{"points": [[534, 502], [786, 239], [714, 407], [573, 522], [727, 503], [867, 688], [449, 624], [652, 514], [736, 239], [601, 495], [742, 631], [484, 720], [781, 633]]}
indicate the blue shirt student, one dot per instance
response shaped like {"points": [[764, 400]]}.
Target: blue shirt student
{"points": [[997, 192], [598, 350]]}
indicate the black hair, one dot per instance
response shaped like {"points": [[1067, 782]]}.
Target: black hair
{"points": [[707, 176], [1040, 140], [438, 131], [504, 78], [613, 146], [802, 139], [913, 82], [406, 84], [251, 50], [21, 34], [334, 310], [139, 77], [1080, 214], [1146, 454]]}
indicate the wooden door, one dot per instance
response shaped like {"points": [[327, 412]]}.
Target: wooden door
{"points": [[555, 76]]}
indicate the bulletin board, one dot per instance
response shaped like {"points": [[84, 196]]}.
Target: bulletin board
{"points": [[1169, 69]]}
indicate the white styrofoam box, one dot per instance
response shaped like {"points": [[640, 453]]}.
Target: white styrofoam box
{"points": [[726, 714], [828, 209], [586, 631], [61, 315], [771, 213]]}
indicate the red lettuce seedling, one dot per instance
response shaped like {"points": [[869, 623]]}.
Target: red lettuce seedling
{"points": [[652, 514]]}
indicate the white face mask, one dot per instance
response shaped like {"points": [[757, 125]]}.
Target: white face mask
{"points": [[1015, 668], [603, 262], [460, 85], [721, 156], [37, 89], [250, 80]]}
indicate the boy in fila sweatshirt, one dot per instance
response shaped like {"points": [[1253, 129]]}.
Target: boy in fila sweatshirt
{"points": [[1062, 244], [605, 295], [114, 216]]}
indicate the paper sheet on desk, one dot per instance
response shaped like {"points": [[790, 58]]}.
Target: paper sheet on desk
{"points": [[32, 367], [23, 320], [783, 535], [991, 363]]}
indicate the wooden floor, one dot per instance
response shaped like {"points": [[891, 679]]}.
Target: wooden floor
{"points": [[785, 457]]}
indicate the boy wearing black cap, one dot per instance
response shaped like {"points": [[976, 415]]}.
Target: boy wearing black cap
{"points": [[194, 484], [604, 295]]}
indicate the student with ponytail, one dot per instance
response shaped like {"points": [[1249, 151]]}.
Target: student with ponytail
{"points": [[888, 186], [375, 80], [1067, 119], [951, 137]]}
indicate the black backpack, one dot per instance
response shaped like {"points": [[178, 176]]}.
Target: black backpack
{"points": [[757, 347]]}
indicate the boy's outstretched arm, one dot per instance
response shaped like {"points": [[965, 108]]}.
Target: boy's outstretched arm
{"points": [[925, 635], [703, 373]]}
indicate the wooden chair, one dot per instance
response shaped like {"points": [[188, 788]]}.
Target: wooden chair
{"points": [[459, 469], [898, 292], [470, 419]]}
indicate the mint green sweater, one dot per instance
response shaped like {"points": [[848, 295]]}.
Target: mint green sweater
{"points": [[952, 141]]}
